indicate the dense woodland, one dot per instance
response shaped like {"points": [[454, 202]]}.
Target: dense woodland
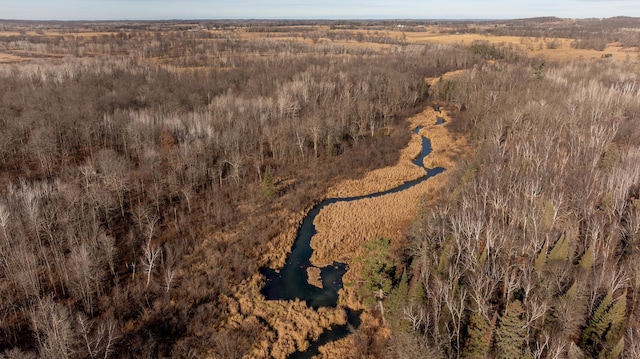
{"points": [[143, 169], [533, 250], [121, 153]]}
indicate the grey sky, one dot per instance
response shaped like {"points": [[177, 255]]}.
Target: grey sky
{"points": [[301, 9]]}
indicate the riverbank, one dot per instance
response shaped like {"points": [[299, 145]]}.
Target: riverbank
{"points": [[345, 226], [294, 325]]}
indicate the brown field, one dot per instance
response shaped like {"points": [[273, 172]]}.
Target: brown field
{"points": [[5, 58], [384, 178], [348, 347], [533, 46]]}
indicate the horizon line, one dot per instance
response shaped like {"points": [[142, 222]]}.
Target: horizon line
{"points": [[320, 19]]}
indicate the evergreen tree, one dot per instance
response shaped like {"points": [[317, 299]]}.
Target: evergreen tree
{"points": [[398, 298], [268, 184], [510, 334], [541, 260], [560, 251], [480, 337], [603, 334], [377, 272]]}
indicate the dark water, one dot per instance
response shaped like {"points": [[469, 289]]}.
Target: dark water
{"points": [[440, 120], [290, 282]]}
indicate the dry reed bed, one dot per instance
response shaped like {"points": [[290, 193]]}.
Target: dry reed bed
{"points": [[531, 45], [273, 254], [314, 276], [349, 346], [6, 58], [344, 227], [292, 323], [386, 178]]}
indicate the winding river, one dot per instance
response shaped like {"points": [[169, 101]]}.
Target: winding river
{"points": [[291, 282]]}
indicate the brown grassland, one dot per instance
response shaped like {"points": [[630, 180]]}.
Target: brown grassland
{"points": [[550, 48]]}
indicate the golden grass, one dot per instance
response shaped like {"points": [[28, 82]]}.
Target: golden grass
{"points": [[454, 38], [9, 33], [533, 46], [293, 325], [348, 347], [5, 58], [447, 76], [389, 177], [274, 256], [617, 53], [314, 278], [344, 227]]}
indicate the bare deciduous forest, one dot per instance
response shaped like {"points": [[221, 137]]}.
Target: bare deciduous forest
{"points": [[149, 169]]}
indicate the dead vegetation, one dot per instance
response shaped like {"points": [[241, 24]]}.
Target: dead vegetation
{"points": [[134, 205], [345, 226]]}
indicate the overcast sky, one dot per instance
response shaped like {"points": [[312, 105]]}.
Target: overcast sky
{"points": [[301, 9]]}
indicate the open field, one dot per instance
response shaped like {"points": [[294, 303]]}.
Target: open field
{"points": [[553, 49], [10, 58], [550, 48], [378, 38]]}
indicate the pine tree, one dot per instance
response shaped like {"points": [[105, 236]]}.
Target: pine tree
{"points": [[377, 272], [396, 301], [268, 184], [541, 260], [480, 337], [560, 251], [605, 327], [591, 341], [616, 351], [587, 260], [510, 334]]}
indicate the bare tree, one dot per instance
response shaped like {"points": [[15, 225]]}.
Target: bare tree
{"points": [[98, 339], [150, 253], [51, 324]]}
